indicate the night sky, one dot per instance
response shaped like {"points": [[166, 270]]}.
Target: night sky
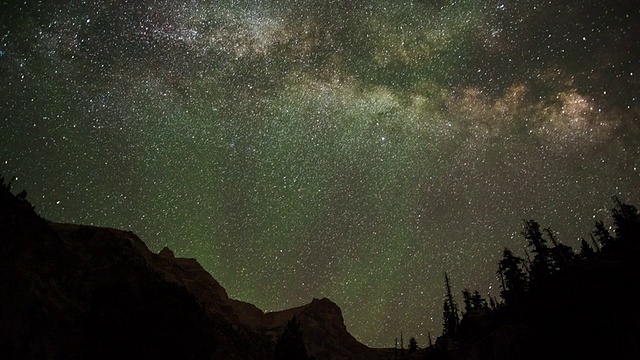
{"points": [[354, 150]]}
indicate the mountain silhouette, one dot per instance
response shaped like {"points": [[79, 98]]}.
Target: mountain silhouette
{"points": [[87, 292]]}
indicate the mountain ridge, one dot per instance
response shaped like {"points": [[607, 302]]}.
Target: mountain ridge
{"points": [[88, 292], [85, 291]]}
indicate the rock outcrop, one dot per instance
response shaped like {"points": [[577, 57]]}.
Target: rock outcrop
{"points": [[323, 329]]}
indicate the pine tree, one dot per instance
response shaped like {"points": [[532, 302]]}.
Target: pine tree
{"points": [[602, 234], [466, 298], [450, 312], [473, 301], [561, 254], [477, 302], [542, 264], [514, 280], [626, 221], [290, 345], [586, 251], [413, 345]]}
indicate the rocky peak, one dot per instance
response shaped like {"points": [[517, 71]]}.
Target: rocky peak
{"points": [[324, 305], [166, 253]]}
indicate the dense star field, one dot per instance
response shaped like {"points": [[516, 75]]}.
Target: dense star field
{"points": [[354, 150]]}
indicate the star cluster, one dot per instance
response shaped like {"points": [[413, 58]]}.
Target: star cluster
{"points": [[312, 148]]}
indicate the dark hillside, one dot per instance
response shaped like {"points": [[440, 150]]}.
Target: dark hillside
{"points": [[86, 292], [586, 310], [80, 292]]}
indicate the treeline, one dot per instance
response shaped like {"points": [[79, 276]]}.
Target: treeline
{"points": [[520, 276], [535, 287]]}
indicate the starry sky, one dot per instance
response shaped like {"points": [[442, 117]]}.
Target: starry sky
{"points": [[354, 150]]}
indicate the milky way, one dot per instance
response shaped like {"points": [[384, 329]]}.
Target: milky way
{"points": [[341, 149]]}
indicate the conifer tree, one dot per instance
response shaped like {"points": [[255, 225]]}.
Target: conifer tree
{"points": [[514, 280], [561, 254], [542, 264], [290, 345], [447, 323], [466, 298], [602, 234], [450, 313], [477, 302], [586, 251], [473, 301], [626, 221], [413, 345]]}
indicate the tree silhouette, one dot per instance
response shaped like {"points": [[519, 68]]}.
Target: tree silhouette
{"points": [[473, 301], [290, 345], [558, 280], [561, 254], [602, 234], [514, 280], [450, 311], [466, 298], [413, 345], [626, 221], [542, 265], [586, 251], [477, 302]]}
